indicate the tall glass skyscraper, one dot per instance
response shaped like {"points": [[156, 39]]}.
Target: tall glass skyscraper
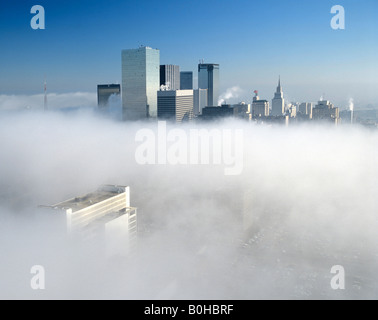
{"points": [[140, 83], [208, 78]]}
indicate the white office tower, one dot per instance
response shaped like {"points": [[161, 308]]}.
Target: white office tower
{"points": [[104, 218], [278, 102], [175, 105], [140, 83]]}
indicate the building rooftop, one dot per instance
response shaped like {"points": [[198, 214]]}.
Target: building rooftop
{"points": [[209, 64], [110, 85], [103, 193]]}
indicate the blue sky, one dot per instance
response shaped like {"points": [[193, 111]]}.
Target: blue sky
{"points": [[253, 41]]}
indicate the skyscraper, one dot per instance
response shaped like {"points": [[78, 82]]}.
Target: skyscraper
{"points": [[175, 105], [186, 80], [208, 78], [140, 83], [278, 102], [170, 76]]}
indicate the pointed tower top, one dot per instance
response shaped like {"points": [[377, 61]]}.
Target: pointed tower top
{"points": [[279, 88]]}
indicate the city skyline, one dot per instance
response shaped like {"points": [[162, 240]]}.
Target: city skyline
{"points": [[294, 41], [188, 150]]}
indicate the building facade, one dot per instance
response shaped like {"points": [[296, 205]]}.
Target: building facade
{"points": [[186, 80], [325, 110], [175, 105], [278, 102], [208, 78], [244, 110], [170, 76], [217, 113], [105, 215], [305, 108], [199, 101], [260, 108], [140, 82], [105, 91]]}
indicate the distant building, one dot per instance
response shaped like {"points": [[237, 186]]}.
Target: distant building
{"points": [[175, 105], [186, 80], [305, 108], [217, 113], [105, 91], [170, 76], [292, 109], [199, 100], [244, 110], [278, 102], [140, 82], [260, 108], [105, 215], [208, 78], [325, 110]]}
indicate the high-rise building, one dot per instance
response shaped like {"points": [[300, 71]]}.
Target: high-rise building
{"points": [[208, 78], [140, 82], [199, 100], [305, 108], [186, 80], [106, 215], [105, 91], [260, 108], [170, 76], [325, 110], [175, 105], [278, 102]]}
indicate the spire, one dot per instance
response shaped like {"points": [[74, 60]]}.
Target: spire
{"points": [[279, 88]]}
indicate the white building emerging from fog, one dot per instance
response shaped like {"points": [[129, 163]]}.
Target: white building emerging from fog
{"points": [[175, 105], [278, 102], [104, 215]]}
